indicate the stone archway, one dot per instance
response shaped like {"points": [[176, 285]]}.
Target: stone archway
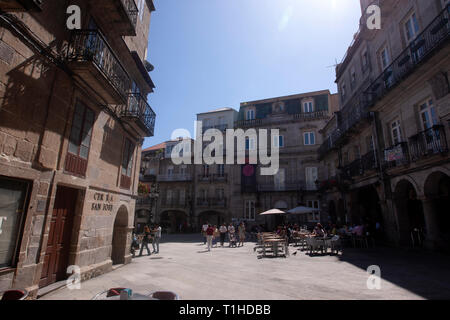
{"points": [[437, 204], [119, 248], [171, 220], [410, 215]]}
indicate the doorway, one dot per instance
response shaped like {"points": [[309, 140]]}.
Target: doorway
{"points": [[58, 246]]}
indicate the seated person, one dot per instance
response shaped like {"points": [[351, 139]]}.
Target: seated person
{"points": [[319, 231]]}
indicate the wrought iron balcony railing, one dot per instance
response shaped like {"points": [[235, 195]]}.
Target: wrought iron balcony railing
{"points": [[308, 116], [174, 177], [436, 34], [360, 166], [90, 47], [420, 49], [429, 142], [132, 11], [139, 111], [397, 155], [212, 202]]}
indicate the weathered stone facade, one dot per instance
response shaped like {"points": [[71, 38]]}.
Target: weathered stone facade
{"points": [[390, 138], [51, 81]]}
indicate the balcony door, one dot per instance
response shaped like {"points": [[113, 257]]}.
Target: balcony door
{"points": [[280, 179], [429, 119], [385, 61], [311, 178]]}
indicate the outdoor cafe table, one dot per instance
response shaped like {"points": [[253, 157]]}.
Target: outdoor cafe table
{"points": [[276, 243]]}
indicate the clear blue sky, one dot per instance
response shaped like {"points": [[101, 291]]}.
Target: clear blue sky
{"points": [[218, 53]]}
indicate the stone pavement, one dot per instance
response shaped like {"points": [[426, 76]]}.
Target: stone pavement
{"points": [[185, 267]]}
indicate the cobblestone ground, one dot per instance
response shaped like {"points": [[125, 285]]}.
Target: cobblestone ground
{"points": [[183, 266]]}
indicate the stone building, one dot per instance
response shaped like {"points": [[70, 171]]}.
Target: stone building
{"points": [[299, 118], [219, 193], [390, 138], [73, 115]]}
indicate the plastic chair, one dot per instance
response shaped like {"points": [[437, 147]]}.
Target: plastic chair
{"points": [[15, 294]]}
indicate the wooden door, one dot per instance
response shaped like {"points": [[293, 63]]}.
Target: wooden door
{"points": [[58, 247]]}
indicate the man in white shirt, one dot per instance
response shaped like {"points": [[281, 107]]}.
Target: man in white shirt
{"points": [[204, 228], [157, 238], [223, 232]]}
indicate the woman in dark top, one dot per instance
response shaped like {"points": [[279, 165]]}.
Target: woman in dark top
{"points": [[145, 241]]}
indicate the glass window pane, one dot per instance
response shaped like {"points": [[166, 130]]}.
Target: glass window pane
{"points": [[84, 151], [12, 198], [73, 148]]}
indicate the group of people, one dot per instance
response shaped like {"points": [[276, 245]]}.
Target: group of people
{"points": [[151, 235], [212, 234]]}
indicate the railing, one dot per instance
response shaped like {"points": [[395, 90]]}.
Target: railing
{"points": [[220, 177], [429, 142], [144, 201], [220, 127], [174, 203], [358, 167], [174, 177], [212, 202], [307, 116], [249, 123], [132, 10], [204, 177], [139, 108], [287, 186], [435, 34], [396, 155], [91, 46], [369, 161], [431, 38]]}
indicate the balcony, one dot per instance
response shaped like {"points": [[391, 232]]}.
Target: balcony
{"points": [[436, 34], [21, 5], [429, 142], [174, 177], [220, 177], [359, 167], [138, 114], [204, 178], [432, 38], [396, 155], [287, 187], [121, 15], [311, 116], [174, 203], [212, 202], [92, 59], [249, 123]]}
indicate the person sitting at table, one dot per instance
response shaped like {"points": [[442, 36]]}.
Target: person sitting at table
{"points": [[319, 231], [334, 230], [358, 230]]}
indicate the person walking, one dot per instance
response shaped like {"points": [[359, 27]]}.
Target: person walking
{"points": [[145, 241], [241, 232], [204, 228], [216, 236], [209, 236], [223, 232], [231, 232], [156, 238]]}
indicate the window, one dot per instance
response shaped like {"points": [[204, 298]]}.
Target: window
{"points": [[169, 195], [385, 61], [311, 178], [343, 91], [141, 8], [13, 196], [220, 194], [364, 60], [205, 170], [411, 28], [182, 196], [309, 138], [428, 115], [250, 114], [203, 195], [183, 170], [370, 144], [249, 143], [170, 171], [221, 170], [127, 164], [80, 139], [314, 216], [278, 141], [280, 179], [169, 151], [396, 132], [250, 210], [353, 78], [308, 107]]}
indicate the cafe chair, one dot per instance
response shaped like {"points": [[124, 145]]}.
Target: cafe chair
{"points": [[15, 294], [164, 295]]}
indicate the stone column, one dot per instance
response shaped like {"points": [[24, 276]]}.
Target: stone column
{"points": [[431, 223]]}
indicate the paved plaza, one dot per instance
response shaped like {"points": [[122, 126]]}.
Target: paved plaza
{"points": [[185, 267]]}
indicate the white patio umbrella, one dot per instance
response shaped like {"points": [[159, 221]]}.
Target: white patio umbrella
{"points": [[272, 212]]}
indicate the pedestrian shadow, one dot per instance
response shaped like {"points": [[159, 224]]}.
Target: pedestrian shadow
{"points": [[203, 251], [156, 258]]}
